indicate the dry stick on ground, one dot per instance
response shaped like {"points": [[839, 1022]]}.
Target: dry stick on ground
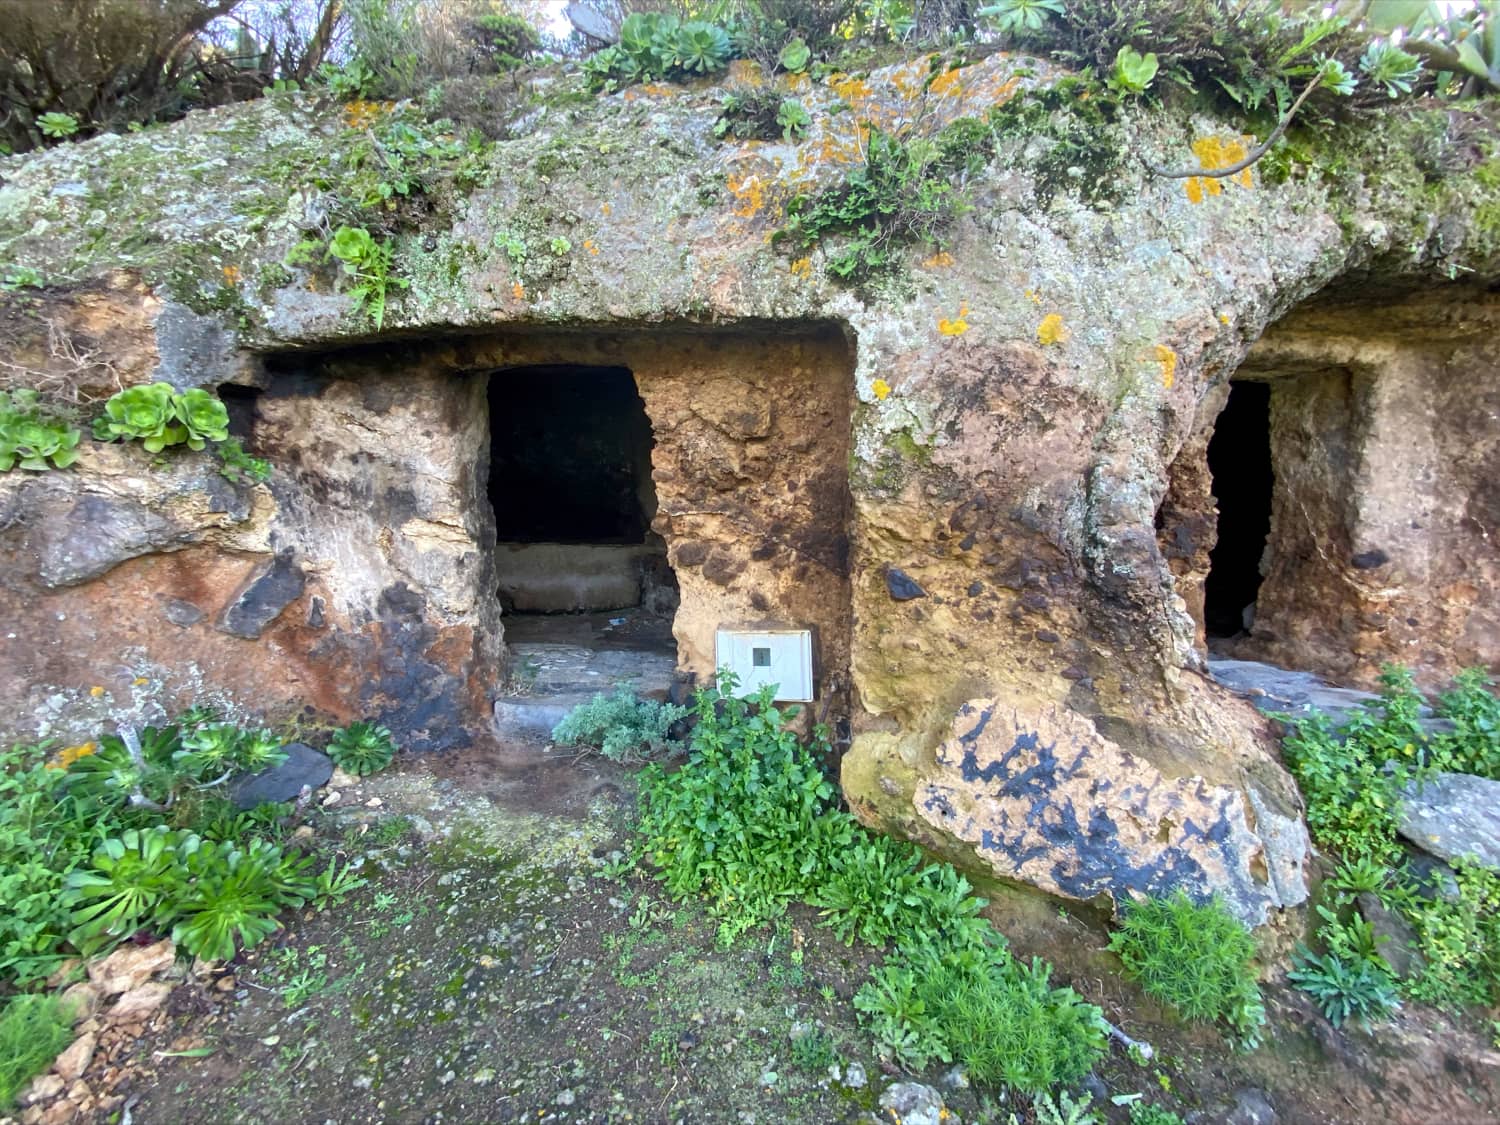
{"points": [[1239, 165]]}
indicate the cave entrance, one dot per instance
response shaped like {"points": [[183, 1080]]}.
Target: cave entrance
{"points": [[1239, 461], [576, 561]]}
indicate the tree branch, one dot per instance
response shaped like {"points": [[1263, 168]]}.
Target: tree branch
{"points": [[1239, 165]]}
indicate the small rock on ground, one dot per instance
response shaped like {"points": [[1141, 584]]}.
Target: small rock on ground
{"points": [[916, 1104]]}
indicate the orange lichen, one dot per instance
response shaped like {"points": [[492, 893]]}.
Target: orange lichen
{"points": [[96, 691], [850, 88], [957, 326], [946, 84], [880, 389], [588, 244], [802, 268], [745, 72], [361, 114], [1167, 359], [1051, 330], [1214, 153], [939, 261], [232, 274], [750, 194], [518, 291], [605, 209], [67, 756]]}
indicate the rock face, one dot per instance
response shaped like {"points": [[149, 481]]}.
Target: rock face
{"points": [[984, 481], [1049, 802], [1454, 816]]}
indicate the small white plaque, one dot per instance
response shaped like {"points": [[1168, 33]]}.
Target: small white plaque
{"points": [[778, 656]]}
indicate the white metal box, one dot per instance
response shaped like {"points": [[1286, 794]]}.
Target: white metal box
{"points": [[777, 656]]}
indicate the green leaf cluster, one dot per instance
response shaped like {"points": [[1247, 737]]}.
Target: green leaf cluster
{"points": [[367, 263], [750, 823], [158, 415], [1197, 957], [760, 113], [31, 436], [132, 831], [620, 726], [904, 194], [1352, 775], [659, 45], [362, 748], [236, 465]]}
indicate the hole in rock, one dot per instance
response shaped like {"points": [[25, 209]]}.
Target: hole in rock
{"points": [[570, 484], [1239, 460], [241, 403]]}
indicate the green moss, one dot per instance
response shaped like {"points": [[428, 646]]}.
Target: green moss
{"points": [[1080, 154]]}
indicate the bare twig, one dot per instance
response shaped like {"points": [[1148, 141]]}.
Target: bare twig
{"points": [[1254, 155]]}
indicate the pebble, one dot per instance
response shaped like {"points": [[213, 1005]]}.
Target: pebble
{"points": [[331, 798], [567, 1097], [854, 1076]]}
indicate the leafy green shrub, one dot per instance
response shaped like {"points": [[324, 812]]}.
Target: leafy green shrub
{"points": [[902, 195], [875, 890], [1001, 1018], [368, 264], [657, 45], [157, 415], [760, 113], [620, 726], [209, 750], [33, 1031], [1344, 987], [233, 895], [57, 126], [1473, 745], [236, 465], [33, 437], [748, 819], [126, 885], [1197, 958], [362, 748]]}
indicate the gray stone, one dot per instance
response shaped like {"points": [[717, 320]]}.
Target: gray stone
{"points": [[1453, 816], [261, 600], [1394, 937], [915, 1104], [1251, 1107], [182, 613], [854, 1076], [304, 766], [96, 535], [1273, 689]]}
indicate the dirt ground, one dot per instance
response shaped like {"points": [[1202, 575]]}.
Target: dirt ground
{"points": [[496, 969]]}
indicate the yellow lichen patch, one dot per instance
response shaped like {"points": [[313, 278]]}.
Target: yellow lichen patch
{"points": [[745, 72], [798, 83], [1033, 296], [653, 90], [605, 209], [749, 193], [68, 755], [939, 261], [957, 326], [1166, 358], [880, 389], [802, 268], [1214, 153], [518, 291], [1051, 330], [850, 88], [588, 244], [360, 114], [96, 691], [947, 84], [232, 274]]}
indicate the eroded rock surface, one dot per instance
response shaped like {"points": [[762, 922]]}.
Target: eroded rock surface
{"points": [[1049, 802]]}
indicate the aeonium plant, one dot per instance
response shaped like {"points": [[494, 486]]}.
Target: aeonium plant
{"points": [[157, 415]]}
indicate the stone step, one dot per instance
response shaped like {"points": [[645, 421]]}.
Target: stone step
{"points": [[549, 680]]}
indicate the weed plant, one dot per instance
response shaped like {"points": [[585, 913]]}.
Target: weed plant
{"points": [[750, 823], [620, 726], [1352, 776], [33, 1029], [132, 832], [362, 748], [1195, 957]]}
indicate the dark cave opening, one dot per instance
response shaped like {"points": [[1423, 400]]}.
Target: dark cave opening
{"points": [[571, 490], [1239, 460]]}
